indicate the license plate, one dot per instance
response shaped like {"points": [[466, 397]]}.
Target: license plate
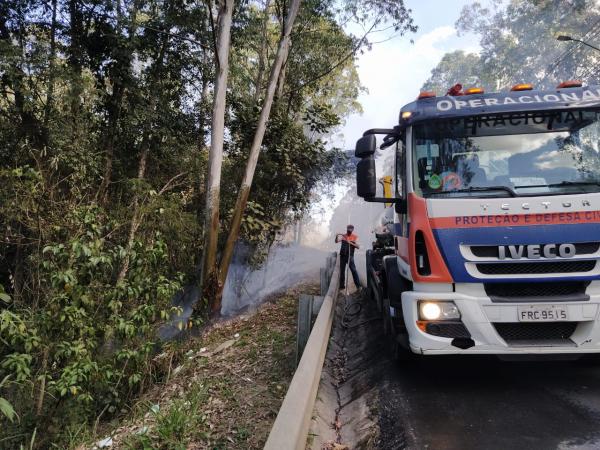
{"points": [[543, 313]]}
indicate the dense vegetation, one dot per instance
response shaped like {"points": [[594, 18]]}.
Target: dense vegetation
{"points": [[518, 42], [105, 111]]}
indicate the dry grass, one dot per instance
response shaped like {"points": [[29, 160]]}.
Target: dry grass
{"points": [[227, 390]]}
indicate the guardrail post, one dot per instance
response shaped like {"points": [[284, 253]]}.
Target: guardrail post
{"points": [[324, 281], [305, 306], [331, 264], [316, 304]]}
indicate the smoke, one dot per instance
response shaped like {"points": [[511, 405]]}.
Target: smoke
{"points": [[298, 258], [291, 263], [285, 266], [185, 301]]}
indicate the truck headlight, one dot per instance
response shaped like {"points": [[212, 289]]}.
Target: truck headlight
{"points": [[438, 310]]}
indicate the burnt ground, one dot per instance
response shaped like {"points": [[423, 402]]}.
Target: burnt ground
{"points": [[448, 402]]}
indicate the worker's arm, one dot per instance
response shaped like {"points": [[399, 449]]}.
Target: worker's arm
{"points": [[337, 238], [354, 244]]}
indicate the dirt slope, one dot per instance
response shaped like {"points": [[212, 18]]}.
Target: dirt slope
{"points": [[226, 392]]}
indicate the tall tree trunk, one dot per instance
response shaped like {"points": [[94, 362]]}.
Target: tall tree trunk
{"points": [[215, 154], [75, 60], [145, 146], [110, 131], [281, 82], [136, 220], [262, 55], [242, 199], [19, 263], [51, 69], [115, 101], [30, 127], [42, 386]]}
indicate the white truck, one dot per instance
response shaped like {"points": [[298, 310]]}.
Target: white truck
{"points": [[495, 247]]}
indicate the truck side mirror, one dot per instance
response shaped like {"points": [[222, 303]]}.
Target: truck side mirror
{"points": [[366, 179], [366, 146]]}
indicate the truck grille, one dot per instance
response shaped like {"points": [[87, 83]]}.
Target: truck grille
{"points": [[563, 291], [491, 251], [536, 267], [547, 331]]}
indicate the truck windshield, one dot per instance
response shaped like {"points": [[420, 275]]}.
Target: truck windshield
{"points": [[523, 154]]}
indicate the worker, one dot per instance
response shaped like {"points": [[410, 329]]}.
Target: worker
{"points": [[349, 243]]}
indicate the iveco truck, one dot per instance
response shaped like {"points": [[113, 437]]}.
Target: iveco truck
{"points": [[495, 246]]}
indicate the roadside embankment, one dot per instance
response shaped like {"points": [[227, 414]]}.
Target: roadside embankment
{"points": [[227, 388]]}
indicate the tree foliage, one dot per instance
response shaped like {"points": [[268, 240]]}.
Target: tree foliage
{"points": [[453, 68], [518, 45], [104, 124]]}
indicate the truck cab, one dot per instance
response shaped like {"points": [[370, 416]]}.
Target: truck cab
{"points": [[496, 238]]}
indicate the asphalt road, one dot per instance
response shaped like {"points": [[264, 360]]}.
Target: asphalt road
{"points": [[483, 403], [468, 403]]}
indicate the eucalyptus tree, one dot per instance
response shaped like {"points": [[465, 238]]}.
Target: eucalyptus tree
{"points": [[518, 44], [244, 191], [373, 12], [215, 156]]}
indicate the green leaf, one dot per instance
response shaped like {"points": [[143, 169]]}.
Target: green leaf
{"points": [[7, 410], [4, 297]]}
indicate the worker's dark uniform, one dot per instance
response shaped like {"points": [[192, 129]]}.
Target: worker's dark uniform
{"points": [[347, 257]]}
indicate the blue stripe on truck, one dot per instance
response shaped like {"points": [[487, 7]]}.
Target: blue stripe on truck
{"points": [[449, 239]]}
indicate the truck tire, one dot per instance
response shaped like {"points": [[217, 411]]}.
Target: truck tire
{"points": [[395, 333], [368, 262], [394, 326], [373, 284], [395, 284]]}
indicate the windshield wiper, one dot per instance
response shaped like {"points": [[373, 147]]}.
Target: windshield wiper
{"points": [[478, 189], [561, 184]]}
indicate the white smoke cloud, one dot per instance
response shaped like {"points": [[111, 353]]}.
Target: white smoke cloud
{"points": [[286, 266]]}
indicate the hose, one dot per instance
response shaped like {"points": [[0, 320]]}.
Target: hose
{"points": [[352, 310], [346, 277]]}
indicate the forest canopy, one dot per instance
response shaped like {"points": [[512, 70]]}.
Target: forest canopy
{"points": [[105, 129]]}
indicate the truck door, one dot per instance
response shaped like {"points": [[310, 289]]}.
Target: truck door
{"points": [[401, 222]]}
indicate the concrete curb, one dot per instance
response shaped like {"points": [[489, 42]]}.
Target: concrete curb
{"points": [[291, 426]]}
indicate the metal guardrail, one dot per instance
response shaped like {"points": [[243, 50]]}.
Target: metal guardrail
{"points": [[310, 305], [291, 426]]}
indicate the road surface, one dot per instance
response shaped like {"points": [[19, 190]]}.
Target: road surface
{"points": [[462, 403], [484, 403]]}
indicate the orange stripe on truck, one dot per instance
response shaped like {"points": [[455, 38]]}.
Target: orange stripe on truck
{"points": [[420, 221]]}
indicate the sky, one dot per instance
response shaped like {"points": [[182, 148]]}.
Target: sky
{"points": [[393, 71]]}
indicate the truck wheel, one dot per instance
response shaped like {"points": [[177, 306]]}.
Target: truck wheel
{"points": [[387, 319], [368, 261], [394, 326], [395, 284], [394, 333], [373, 288]]}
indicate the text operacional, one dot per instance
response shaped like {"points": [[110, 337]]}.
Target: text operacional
{"points": [[529, 219], [462, 103]]}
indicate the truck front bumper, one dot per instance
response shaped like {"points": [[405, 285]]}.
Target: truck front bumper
{"points": [[480, 316]]}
